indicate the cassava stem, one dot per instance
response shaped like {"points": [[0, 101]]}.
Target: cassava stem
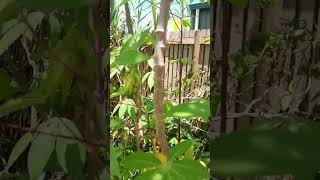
{"points": [[159, 74]]}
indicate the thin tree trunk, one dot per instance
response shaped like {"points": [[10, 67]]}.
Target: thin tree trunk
{"points": [[180, 67], [105, 10], [226, 31], [136, 98], [159, 74], [95, 109], [128, 18]]}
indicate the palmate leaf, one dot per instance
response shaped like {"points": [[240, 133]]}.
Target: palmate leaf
{"points": [[190, 109], [266, 150], [45, 143]]}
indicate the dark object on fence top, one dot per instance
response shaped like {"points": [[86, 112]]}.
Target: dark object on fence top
{"points": [[199, 6]]}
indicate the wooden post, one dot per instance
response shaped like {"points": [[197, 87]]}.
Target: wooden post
{"points": [[196, 54]]}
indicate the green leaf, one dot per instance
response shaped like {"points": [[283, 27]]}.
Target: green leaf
{"points": [[114, 164], [239, 3], [286, 101], [66, 127], [19, 29], [48, 5], [4, 4], [55, 26], [190, 109], [145, 77], [11, 36], [140, 160], [122, 2], [268, 151], [9, 9], [72, 57], [151, 80], [131, 57], [180, 149], [61, 149], [151, 62], [189, 153], [4, 85], [74, 164], [19, 148], [122, 110], [116, 123], [186, 23], [6, 26], [133, 42], [41, 149], [154, 13], [19, 104], [35, 19], [183, 169]]}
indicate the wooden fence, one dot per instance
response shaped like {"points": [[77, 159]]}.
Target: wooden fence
{"points": [[193, 53], [271, 82]]}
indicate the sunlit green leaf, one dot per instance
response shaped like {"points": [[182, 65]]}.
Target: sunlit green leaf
{"points": [[190, 109], [116, 123], [140, 160], [114, 164], [145, 77], [131, 57], [151, 80], [182, 169], [180, 149], [186, 23]]}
